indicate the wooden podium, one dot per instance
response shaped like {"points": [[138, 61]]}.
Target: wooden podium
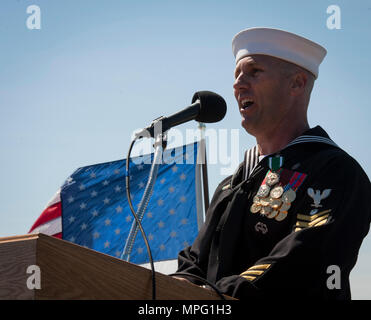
{"points": [[69, 271]]}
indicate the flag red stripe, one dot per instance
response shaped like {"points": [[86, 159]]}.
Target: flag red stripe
{"points": [[50, 213]]}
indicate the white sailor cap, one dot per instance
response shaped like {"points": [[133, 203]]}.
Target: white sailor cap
{"points": [[280, 44]]}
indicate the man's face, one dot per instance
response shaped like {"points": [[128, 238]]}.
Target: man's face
{"points": [[261, 90]]}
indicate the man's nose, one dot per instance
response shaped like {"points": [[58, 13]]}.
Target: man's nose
{"points": [[241, 83]]}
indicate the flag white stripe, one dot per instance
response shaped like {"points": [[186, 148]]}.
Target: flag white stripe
{"points": [[50, 228], [55, 199]]}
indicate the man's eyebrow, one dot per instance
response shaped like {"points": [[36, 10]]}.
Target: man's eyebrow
{"points": [[252, 64]]}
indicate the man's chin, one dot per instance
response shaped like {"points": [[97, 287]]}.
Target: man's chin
{"points": [[246, 126], [249, 128]]}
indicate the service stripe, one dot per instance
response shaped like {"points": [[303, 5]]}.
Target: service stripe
{"points": [[260, 266], [313, 217], [320, 223], [253, 272], [249, 278], [316, 221]]}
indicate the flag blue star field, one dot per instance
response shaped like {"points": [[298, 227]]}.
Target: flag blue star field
{"points": [[91, 208]]}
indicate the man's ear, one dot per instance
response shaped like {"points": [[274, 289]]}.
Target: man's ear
{"points": [[298, 83]]}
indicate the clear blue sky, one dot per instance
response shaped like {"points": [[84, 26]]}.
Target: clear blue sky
{"points": [[72, 93]]}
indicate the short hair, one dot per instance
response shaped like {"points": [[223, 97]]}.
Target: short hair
{"points": [[288, 69]]}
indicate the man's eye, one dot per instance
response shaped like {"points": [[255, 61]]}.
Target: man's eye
{"points": [[255, 71]]}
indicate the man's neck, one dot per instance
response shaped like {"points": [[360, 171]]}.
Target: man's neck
{"points": [[277, 139]]}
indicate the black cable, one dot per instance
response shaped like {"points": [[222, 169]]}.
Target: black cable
{"points": [[200, 279], [138, 221]]}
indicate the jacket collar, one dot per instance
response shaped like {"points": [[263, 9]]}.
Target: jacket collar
{"points": [[316, 135], [312, 135]]}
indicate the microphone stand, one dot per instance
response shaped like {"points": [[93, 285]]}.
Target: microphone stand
{"points": [[159, 145]]}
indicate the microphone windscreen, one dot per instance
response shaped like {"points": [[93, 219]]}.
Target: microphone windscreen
{"points": [[212, 106]]}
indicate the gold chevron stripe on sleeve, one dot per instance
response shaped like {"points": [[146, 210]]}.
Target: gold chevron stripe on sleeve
{"points": [[302, 224], [303, 217], [253, 272], [260, 266], [320, 223], [250, 278], [305, 224], [307, 221], [318, 220], [313, 217]]}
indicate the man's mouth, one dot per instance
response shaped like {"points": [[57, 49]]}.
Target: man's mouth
{"points": [[246, 103]]}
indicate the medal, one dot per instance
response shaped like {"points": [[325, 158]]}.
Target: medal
{"points": [[285, 206], [272, 178], [272, 214], [265, 210], [282, 215], [256, 199], [255, 208], [289, 196], [276, 192], [275, 203], [263, 191], [264, 201]]}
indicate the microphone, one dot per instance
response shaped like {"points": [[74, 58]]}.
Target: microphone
{"points": [[206, 107]]}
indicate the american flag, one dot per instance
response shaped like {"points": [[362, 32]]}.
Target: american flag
{"points": [[91, 207]]}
